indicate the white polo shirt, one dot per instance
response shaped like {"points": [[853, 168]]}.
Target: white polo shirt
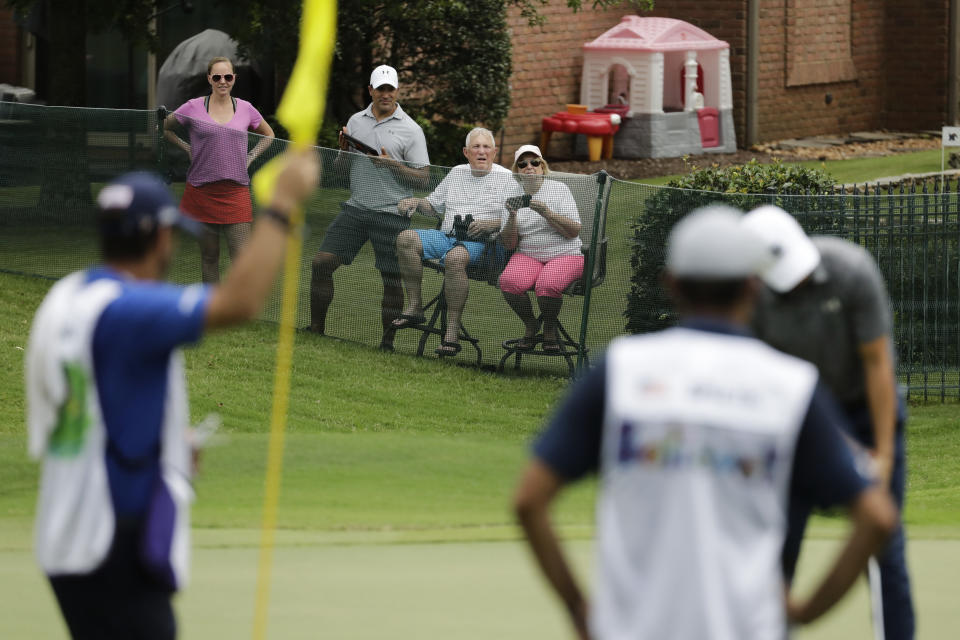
{"points": [[701, 435], [464, 192], [377, 188], [537, 237]]}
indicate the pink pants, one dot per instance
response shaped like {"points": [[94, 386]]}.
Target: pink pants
{"points": [[547, 280]]}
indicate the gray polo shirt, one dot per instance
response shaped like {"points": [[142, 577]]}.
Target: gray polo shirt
{"points": [[377, 188], [843, 305]]}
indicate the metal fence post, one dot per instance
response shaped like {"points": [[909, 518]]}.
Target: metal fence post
{"points": [[588, 268], [161, 153]]}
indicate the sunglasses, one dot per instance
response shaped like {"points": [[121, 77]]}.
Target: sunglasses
{"points": [[533, 163], [227, 76]]}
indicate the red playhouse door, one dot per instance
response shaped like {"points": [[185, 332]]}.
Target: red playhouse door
{"points": [[709, 118]]}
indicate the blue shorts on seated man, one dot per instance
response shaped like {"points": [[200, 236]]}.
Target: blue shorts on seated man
{"points": [[436, 244]]}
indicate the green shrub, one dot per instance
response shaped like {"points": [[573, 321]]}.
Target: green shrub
{"points": [[796, 189]]}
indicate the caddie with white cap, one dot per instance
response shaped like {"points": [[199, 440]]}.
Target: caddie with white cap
{"points": [[400, 166], [827, 303], [701, 435]]}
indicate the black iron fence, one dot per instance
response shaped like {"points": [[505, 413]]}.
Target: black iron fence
{"points": [[53, 160]]}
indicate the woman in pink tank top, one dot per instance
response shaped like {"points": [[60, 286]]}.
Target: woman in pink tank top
{"points": [[217, 192]]}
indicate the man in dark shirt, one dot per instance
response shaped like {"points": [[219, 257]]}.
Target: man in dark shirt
{"points": [[826, 302]]}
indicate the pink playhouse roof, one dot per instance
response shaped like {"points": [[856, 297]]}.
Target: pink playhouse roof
{"points": [[654, 34]]}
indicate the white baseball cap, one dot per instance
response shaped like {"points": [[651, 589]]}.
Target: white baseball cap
{"points": [[382, 75], [710, 243], [527, 148], [794, 256]]}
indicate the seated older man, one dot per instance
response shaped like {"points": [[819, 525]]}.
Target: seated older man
{"points": [[474, 189]]}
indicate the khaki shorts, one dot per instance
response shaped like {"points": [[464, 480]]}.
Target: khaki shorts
{"points": [[353, 227]]}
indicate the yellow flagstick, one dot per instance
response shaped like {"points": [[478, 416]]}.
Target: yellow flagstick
{"points": [[301, 112]]}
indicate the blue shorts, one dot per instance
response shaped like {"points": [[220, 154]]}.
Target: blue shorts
{"points": [[436, 244]]}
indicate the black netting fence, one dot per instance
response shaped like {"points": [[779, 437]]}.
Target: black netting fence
{"points": [[604, 273]]}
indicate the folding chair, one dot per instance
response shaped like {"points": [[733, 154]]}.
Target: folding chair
{"points": [[592, 194], [487, 269]]}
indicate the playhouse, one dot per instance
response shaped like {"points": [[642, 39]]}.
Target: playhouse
{"points": [[673, 78]]}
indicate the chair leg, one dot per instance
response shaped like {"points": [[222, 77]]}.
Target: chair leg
{"points": [[594, 147], [474, 342], [567, 340], [437, 325], [607, 147], [438, 303]]}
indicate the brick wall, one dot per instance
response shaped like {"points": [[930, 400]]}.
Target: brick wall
{"points": [[548, 60], [916, 64], [898, 49], [899, 52], [9, 42], [797, 111], [819, 47]]}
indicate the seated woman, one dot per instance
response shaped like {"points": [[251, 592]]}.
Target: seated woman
{"points": [[543, 224]]}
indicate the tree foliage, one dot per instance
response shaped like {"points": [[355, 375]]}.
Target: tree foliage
{"points": [[129, 17], [66, 24], [530, 9], [794, 188], [454, 57]]}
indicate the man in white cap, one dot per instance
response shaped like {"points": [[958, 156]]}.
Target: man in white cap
{"points": [[701, 434], [826, 302], [377, 184]]}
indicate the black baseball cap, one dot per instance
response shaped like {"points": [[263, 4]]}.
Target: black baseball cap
{"points": [[136, 203]]}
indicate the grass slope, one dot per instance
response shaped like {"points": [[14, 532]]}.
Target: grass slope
{"points": [[387, 456], [378, 440]]}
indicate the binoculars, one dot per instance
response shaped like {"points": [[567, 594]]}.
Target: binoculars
{"points": [[460, 226]]}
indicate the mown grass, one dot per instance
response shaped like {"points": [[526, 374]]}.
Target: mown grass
{"points": [[380, 440], [388, 456], [375, 439]]}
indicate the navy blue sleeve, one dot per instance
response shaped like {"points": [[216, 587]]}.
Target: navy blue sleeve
{"points": [[570, 444], [153, 319], [824, 471]]}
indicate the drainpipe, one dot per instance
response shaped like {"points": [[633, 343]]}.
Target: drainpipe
{"points": [[953, 65], [753, 48]]}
